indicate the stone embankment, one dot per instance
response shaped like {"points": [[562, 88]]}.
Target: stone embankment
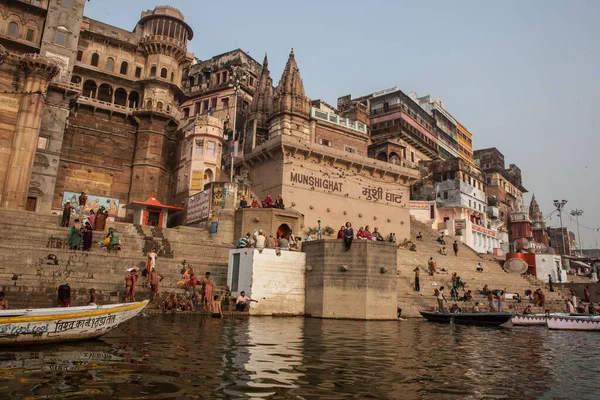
{"points": [[465, 266], [27, 238]]}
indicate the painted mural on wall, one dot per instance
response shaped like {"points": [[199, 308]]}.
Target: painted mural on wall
{"points": [[93, 203]]}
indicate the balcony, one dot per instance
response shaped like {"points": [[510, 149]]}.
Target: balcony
{"points": [[337, 120], [105, 105], [63, 81]]}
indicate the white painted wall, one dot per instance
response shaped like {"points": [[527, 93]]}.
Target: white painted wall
{"points": [[549, 264], [276, 281]]}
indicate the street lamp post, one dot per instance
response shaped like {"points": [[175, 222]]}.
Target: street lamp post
{"points": [[576, 213], [237, 84], [559, 207]]}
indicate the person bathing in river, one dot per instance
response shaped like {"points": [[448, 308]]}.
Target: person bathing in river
{"points": [[207, 290], [155, 278], [216, 307], [3, 302]]}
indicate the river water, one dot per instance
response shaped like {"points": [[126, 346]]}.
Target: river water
{"points": [[181, 357]]}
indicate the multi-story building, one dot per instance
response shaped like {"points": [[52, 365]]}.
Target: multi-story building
{"points": [[446, 125], [109, 118], [402, 132], [465, 143], [557, 237], [503, 186]]}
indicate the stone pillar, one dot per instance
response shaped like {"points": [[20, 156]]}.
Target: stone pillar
{"points": [[357, 284], [38, 71]]}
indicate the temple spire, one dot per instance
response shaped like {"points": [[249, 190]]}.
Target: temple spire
{"points": [[289, 95]]}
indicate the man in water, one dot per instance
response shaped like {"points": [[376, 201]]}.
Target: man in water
{"points": [[3, 302], [155, 278], [64, 295], [243, 302]]}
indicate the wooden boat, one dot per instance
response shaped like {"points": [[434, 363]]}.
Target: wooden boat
{"points": [[574, 323], [532, 319], [482, 318], [63, 324]]}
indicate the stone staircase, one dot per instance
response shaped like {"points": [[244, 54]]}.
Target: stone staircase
{"points": [[29, 281], [465, 266]]}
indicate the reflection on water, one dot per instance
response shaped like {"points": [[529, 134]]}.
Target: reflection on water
{"points": [[177, 357]]}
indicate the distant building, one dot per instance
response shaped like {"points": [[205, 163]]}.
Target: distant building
{"points": [[503, 186], [556, 235], [540, 233]]}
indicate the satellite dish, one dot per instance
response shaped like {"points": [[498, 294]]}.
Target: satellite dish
{"points": [[515, 266]]}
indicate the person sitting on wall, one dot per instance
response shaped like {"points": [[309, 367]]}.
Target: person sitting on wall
{"points": [[283, 243], [279, 202], [340, 234], [392, 238], [268, 202], [255, 203], [367, 235], [260, 242], [270, 242], [292, 241], [244, 241], [419, 236], [361, 233], [242, 303], [377, 236], [243, 202]]}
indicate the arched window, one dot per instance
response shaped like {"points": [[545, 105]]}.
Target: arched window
{"points": [[75, 79], [159, 105], [110, 63], [163, 73], [153, 71], [208, 176], [124, 67], [394, 159], [89, 89], [382, 156], [121, 97], [95, 59], [134, 99], [149, 104], [105, 92], [13, 29]]}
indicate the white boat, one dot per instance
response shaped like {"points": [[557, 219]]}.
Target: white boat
{"points": [[574, 323], [63, 324], [532, 319]]}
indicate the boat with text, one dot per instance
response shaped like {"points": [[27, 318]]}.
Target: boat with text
{"points": [[574, 322], [63, 324], [482, 318], [533, 319]]}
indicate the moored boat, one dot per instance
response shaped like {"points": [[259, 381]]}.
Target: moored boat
{"points": [[482, 318], [532, 319], [63, 324], [574, 323]]}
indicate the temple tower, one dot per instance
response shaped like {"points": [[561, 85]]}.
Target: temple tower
{"points": [[540, 234], [164, 45], [291, 107], [257, 129]]}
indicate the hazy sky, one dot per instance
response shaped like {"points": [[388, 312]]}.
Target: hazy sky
{"points": [[520, 75]]}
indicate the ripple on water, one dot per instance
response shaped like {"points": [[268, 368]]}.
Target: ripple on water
{"points": [[193, 357]]}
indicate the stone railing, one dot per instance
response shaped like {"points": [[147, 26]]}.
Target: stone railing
{"points": [[104, 104]]}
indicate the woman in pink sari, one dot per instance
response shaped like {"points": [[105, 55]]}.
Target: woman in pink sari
{"points": [[207, 291], [92, 218]]}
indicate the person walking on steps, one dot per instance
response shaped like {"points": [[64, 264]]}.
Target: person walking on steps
{"points": [[455, 248]]}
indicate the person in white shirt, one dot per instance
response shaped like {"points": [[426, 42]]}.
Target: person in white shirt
{"points": [[260, 241], [243, 302]]}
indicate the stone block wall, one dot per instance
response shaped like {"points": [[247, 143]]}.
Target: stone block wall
{"points": [[360, 283], [276, 281]]}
